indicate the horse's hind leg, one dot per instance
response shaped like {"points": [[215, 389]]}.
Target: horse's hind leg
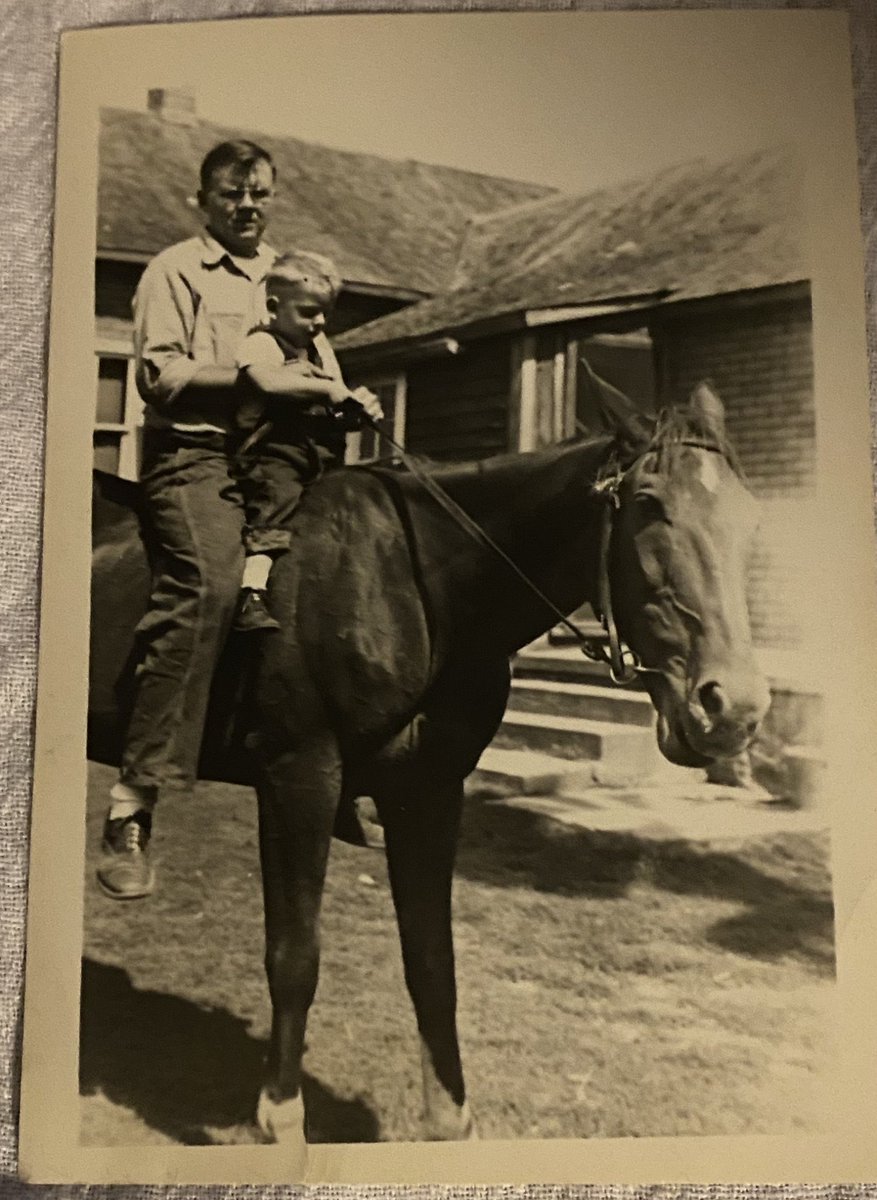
{"points": [[421, 837], [298, 796]]}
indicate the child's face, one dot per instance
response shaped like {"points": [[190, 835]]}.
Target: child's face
{"points": [[299, 311]]}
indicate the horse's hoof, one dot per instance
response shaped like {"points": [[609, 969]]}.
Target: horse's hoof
{"points": [[456, 1125], [283, 1122], [471, 1134]]}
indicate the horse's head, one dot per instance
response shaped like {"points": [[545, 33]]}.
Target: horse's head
{"points": [[681, 536]]}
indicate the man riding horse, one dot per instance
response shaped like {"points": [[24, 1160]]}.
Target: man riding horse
{"points": [[400, 601], [195, 304]]}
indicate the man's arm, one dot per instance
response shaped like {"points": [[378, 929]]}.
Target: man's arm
{"points": [[261, 361], [164, 328], [289, 383], [293, 382]]}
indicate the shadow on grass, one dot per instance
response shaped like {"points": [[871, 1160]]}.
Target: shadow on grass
{"points": [[513, 847], [781, 916], [782, 883], [186, 1070]]}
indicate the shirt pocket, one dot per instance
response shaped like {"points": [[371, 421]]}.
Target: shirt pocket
{"points": [[220, 335]]}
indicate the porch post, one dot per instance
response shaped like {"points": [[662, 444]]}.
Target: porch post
{"points": [[523, 431]]}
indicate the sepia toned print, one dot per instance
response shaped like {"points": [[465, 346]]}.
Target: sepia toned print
{"points": [[460, 763]]}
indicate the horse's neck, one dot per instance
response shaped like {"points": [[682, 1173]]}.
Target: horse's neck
{"points": [[539, 509]]}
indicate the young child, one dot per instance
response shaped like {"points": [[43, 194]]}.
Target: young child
{"points": [[297, 427]]}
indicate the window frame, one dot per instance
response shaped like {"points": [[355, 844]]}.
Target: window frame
{"points": [[398, 380], [128, 429]]}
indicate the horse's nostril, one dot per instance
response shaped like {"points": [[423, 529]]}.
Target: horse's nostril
{"points": [[711, 698], [752, 728]]}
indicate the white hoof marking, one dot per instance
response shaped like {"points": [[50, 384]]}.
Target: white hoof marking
{"points": [[452, 1124], [283, 1122]]}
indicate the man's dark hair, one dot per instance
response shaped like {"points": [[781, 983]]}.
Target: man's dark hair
{"points": [[241, 154]]}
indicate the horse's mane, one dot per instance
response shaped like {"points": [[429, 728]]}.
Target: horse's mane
{"points": [[495, 466], [617, 451]]}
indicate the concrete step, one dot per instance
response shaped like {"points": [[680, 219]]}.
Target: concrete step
{"points": [[526, 773], [590, 701], [562, 665], [628, 750]]}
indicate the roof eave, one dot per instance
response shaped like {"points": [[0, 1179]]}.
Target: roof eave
{"points": [[400, 352], [389, 290], [360, 287], [111, 254], [523, 319], [414, 347]]}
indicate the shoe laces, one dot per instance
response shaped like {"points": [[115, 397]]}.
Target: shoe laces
{"points": [[133, 836]]}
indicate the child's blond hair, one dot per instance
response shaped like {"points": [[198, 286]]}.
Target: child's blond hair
{"points": [[304, 267]]}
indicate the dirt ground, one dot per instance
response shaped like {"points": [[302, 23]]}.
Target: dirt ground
{"points": [[607, 987]]}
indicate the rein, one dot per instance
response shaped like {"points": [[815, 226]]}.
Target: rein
{"points": [[623, 663]]}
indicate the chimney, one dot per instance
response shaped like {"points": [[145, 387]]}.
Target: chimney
{"points": [[176, 105]]}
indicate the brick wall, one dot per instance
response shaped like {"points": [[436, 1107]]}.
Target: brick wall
{"points": [[760, 360]]}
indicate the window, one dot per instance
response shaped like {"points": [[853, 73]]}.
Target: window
{"points": [[365, 445], [118, 412], [627, 361]]}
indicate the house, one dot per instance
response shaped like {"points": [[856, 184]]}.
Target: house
{"points": [[697, 272], [393, 227]]}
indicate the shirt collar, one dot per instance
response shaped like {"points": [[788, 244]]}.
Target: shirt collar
{"points": [[213, 253]]}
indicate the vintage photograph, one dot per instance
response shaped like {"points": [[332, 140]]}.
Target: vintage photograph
{"points": [[458, 757]]}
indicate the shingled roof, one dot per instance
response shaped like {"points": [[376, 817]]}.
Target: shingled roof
{"points": [[694, 230], [388, 223]]}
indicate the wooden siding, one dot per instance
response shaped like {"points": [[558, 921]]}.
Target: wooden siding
{"points": [[458, 406]]}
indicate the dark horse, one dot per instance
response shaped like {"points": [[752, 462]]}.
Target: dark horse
{"points": [[391, 674]]}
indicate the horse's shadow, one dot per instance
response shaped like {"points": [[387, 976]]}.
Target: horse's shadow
{"points": [[504, 847], [190, 1072]]}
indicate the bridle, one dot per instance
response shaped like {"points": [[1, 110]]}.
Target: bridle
{"points": [[624, 664]]}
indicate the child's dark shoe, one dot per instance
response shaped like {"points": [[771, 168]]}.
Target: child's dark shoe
{"points": [[253, 614]]}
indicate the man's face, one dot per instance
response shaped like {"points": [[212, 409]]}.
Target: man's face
{"points": [[299, 311], [235, 204]]}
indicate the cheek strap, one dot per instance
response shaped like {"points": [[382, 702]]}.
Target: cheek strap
{"points": [[624, 665]]}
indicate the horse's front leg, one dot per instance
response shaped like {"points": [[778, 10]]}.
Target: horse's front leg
{"points": [[298, 796], [421, 838]]}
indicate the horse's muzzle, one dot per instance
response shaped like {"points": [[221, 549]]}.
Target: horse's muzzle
{"points": [[724, 712]]}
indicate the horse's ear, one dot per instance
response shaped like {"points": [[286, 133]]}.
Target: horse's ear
{"points": [[706, 411], [619, 413]]}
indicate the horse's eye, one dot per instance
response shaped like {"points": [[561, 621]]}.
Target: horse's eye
{"points": [[652, 506]]}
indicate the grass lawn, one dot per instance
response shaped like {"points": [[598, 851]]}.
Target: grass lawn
{"points": [[608, 987]]}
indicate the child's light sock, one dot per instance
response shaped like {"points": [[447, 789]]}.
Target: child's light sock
{"points": [[129, 798], [257, 568]]}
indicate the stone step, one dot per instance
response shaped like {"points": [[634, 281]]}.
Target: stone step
{"points": [[625, 751], [582, 700], [525, 773], [567, 666]]}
